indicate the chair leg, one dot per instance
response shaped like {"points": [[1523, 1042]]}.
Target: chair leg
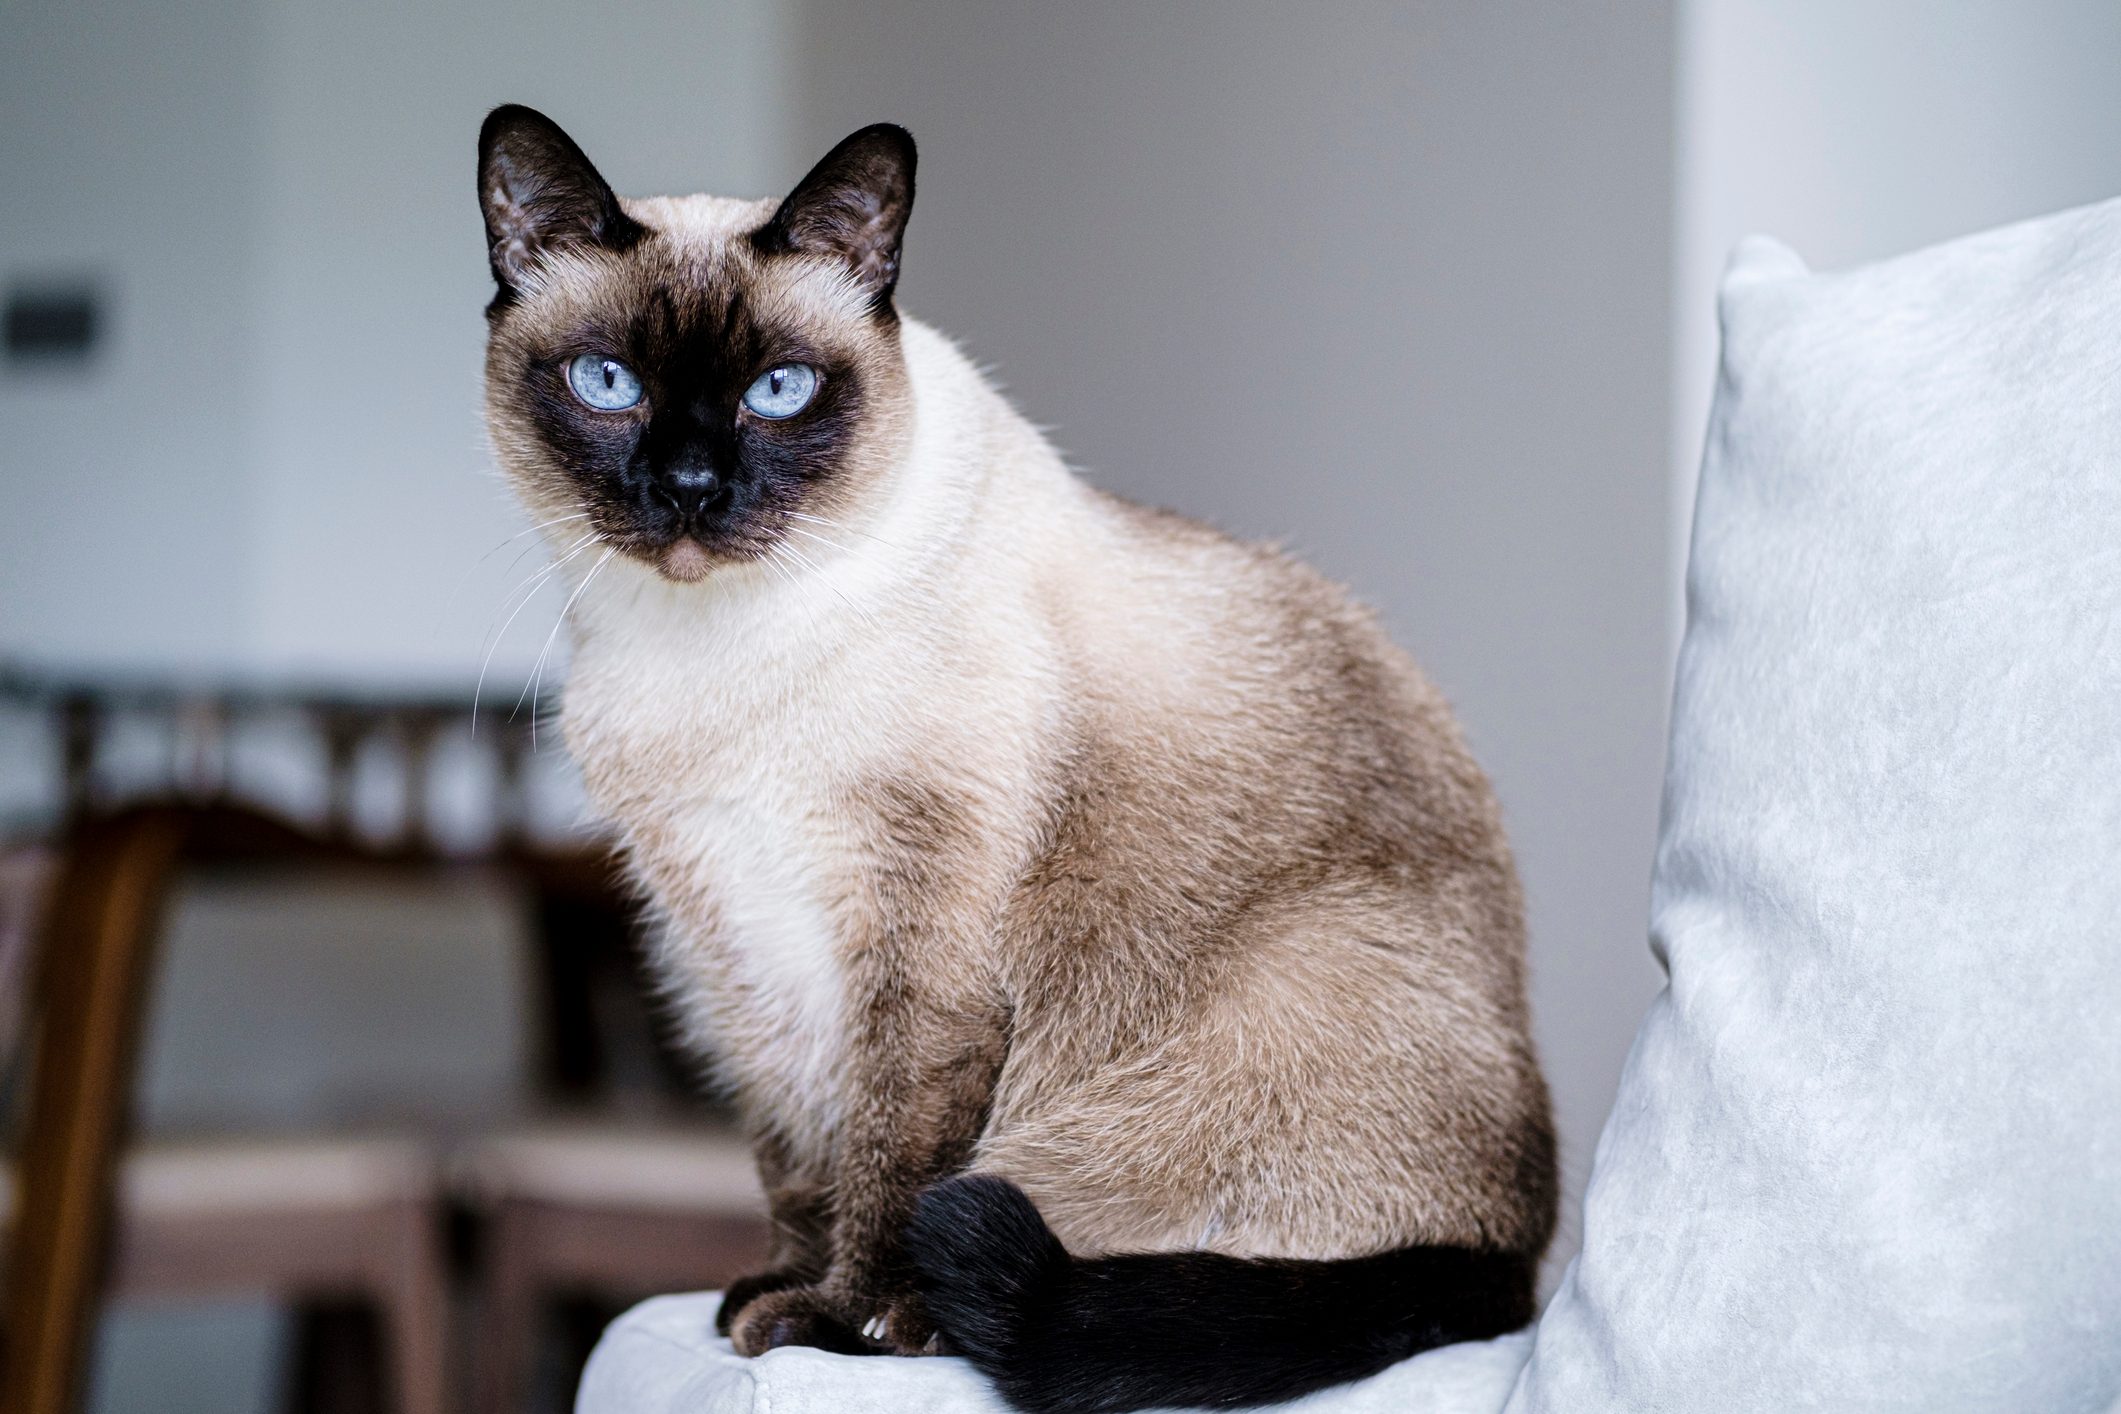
{"points": [[508, 1310], [94, 958], [414, 1297], [335, 1351]]}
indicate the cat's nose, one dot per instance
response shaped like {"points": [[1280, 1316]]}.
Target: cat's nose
{"points": [[691, 491]]}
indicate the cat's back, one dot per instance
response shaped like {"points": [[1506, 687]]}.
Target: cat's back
{"points": [[1272, 856], [1237, 637]]}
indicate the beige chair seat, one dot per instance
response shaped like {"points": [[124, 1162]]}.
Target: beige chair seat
{"points": [[292, 1219], [619, 1209], [651, 1167]]}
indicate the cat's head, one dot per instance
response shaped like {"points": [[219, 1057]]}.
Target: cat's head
{"points": [[697, 375]]}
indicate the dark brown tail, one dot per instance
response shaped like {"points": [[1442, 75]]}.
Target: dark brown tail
{"points": [[1059, 1335]]}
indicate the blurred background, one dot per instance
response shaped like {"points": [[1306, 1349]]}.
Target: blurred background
{"points": [[1424, 290]]}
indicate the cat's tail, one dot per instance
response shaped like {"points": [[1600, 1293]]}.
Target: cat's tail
{"points": [[1062, 1335]]}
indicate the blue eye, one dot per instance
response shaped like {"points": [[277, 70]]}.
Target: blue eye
{"points": [[783, 391], [604, 383]]}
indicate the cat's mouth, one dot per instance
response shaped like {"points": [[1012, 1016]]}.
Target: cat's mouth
{"points": [[684, 560]]}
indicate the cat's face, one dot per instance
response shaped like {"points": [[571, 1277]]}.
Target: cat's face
{"points": [[696, 377]]}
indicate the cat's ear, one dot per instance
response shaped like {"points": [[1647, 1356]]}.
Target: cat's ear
{"points": [[539, 193], [853, 207]]}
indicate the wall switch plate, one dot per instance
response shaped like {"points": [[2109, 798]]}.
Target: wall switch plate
{"points": [[52, 322]]}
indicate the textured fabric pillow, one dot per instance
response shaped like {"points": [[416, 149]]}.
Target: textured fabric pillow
{"points": [[1867, 1151]]}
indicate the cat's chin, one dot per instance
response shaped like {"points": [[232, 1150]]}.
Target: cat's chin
{"points": [[684, 561]]}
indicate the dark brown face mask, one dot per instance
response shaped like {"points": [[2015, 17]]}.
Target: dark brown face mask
{"points": [[681, 403]]}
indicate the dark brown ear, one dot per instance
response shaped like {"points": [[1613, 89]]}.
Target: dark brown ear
{"points": [[852, 206], [540, 193]]}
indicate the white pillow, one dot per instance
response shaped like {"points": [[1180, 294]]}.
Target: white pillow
{"points": [[663, 1357], [1867, 1151]]}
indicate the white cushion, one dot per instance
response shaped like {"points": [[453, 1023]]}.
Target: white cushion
{"points": [[663, 1357], [1867, 1151]]}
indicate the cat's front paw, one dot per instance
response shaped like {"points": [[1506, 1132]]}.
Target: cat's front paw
{"points": [[745, 1290], [903, 1328], [801, 1315]]}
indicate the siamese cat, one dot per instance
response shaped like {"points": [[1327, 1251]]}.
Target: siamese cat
{"points": [[1103, 929]]}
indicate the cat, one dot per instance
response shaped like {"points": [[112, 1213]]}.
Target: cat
{"points": [[1109, 941]]}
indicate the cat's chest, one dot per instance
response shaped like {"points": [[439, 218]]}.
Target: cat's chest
{"points": [[753, 954], [710, 739], [734, 811], [730, 773]]}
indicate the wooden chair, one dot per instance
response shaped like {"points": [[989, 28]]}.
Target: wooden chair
{"points": [[305, 1221], [371, 1223], [611, 1209], [303, 1217]]}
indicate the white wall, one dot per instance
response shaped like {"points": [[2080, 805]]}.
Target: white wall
{"points": [[129, 153], [1856, 131], [1388, 282]]}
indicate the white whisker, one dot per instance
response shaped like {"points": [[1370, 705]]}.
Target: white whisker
{"points": [[845, 529], [819, 572], [531, 547], [813, 535], [537, 672], [789, 577], [773, 567], [529, 591], [567, 552], [541, 525], [547, 525], [528, 586]]}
